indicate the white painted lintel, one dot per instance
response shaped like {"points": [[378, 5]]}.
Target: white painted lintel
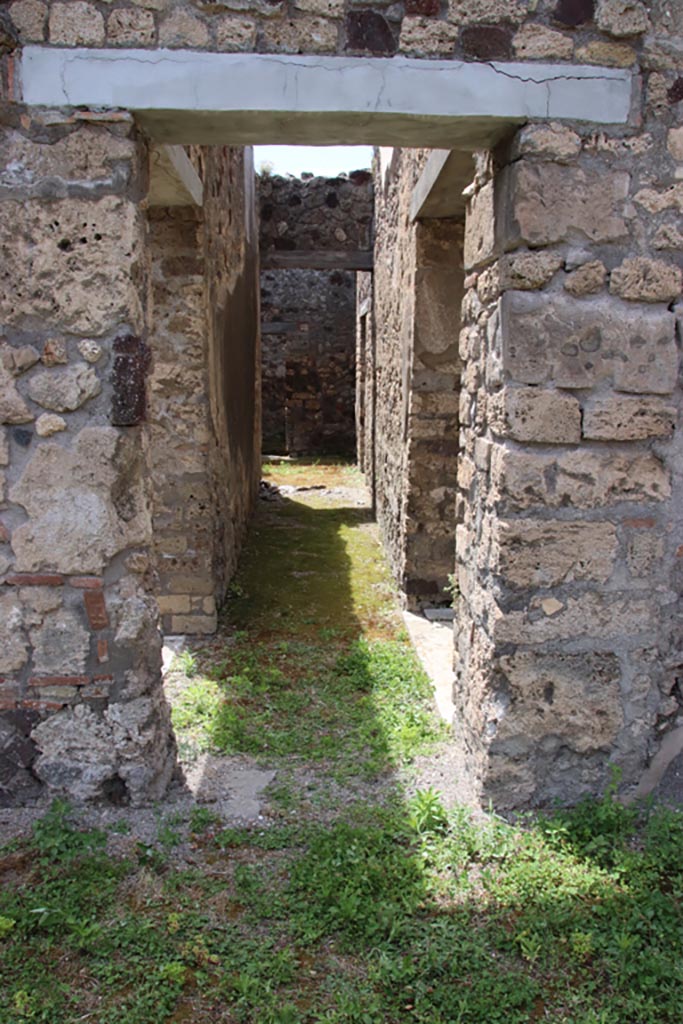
{"points": [[182, 96]]}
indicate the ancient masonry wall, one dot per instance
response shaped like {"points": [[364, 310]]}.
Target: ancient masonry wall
{"points": [[308, 342], [80, 704], [204, 300], [309, 313], [570, 479], [414, 415]]}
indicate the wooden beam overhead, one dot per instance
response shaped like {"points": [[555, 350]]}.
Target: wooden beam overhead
{"points": [[304, 259]]}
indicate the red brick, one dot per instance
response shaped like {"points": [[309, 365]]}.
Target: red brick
{"points": [[427, 8], [86, 582], [103, 679], [102, 650], [58, 680], [42, 705], [27, 579], [96, 609], [647, 522], [7, 703]]}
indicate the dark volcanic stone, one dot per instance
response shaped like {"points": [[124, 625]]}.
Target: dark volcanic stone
{"points": [[675, 93], [368, 30], [574, 12], [427, 8], [487, 42]]}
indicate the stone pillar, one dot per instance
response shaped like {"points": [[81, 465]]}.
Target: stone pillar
{"points": [[568, 632], [433, 412], [81, 708]]}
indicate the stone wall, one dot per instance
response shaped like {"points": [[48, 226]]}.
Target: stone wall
{"points": [[308, 338], [204, 302], [569, 624], [413, 419], [309, 312], [606, 32], [80, 703]]}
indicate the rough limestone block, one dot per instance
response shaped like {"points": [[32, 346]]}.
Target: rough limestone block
{"points": [[536, 42], [553, 141], [54, 257], [76, 24], [535, 414], [644, 553], [49, 424], [82, 156], [29, 18], [573, 698], [656, 202], [600, 616], [4, 448], [625, 418], [528, 271], [183, 29], [543, 203], [77, 521], [640, 279], [528, 553], [233, 33], [424, 37], [578, 343], [586, 279], [65, 390], [622, 17], [13, 408], [674, 143], [127, 27], [306, 34], [18, 360], [480, 234], [578, 479], [488, 12], [61, 645], [13, 644], [607, 54]]}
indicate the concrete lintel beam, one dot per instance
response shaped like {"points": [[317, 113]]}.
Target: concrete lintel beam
{"points": [[173, 180], [183, 96], [439, 190]]}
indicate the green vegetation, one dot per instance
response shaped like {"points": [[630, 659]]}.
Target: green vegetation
{"points": [[349, 903], [394, 914]]}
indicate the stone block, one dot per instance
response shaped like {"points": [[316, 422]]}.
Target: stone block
{"points": [[183, 29], [13, 643], [65, 390], [607, 54], [674, 143], [424, 37], [587, 279], [56, 256], [560, 699], [131, 27], [536, 414], [640, 279], [76, 24], [174, 604], [598, 616], [324, 8], [528, 271], [553, 141], [573, 12], [626, 418], [667, 236], [644, 553], [480, 235], [17, 360], [536, 42], [579, 343], [59, 483], [193, 624], [82, 156], [472, 12], [622, 17], [305, 34], [657, 202], [578, 479], [49, 424], [544, 203], [29, 17], [13, 408], [487, 42], [529, 553], [234, 34], [61, 645]]}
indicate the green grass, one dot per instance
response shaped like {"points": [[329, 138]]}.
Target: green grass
{"points": [[350, 903], [394, 914]]}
